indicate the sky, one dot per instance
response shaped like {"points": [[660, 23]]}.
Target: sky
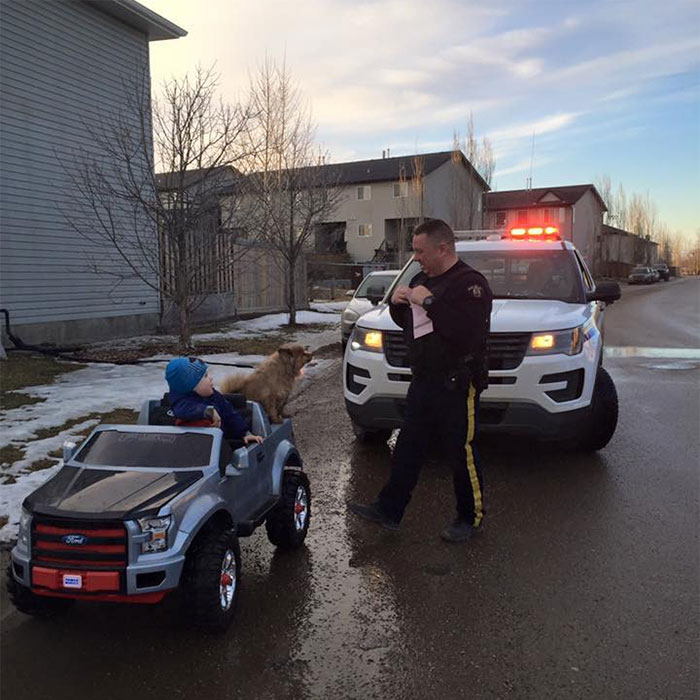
{"points": [[569, 91]]}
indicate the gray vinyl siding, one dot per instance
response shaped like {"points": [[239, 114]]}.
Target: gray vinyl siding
{"points": [[63, 69]]}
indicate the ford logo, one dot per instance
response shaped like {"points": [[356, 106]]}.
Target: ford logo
{"points": [[74, 539]]}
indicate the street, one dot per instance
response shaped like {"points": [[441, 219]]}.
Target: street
{"points": [[583, 584]]}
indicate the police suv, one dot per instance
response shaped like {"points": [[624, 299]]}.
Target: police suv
{"points": [[545, 349]]}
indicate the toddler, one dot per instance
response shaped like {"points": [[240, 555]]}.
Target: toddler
{"points": [[193, 397]]}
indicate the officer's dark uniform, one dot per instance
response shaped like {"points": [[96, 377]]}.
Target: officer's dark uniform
{"points": [[449, 366]]}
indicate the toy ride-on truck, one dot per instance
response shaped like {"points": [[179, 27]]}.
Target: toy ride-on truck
{"points": [[137, 511]]}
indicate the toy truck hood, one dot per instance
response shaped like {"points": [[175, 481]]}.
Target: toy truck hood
{"points": [[507, 316], [108, 494]]}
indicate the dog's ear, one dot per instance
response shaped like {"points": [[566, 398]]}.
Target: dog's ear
{"points": [[286, 349]]}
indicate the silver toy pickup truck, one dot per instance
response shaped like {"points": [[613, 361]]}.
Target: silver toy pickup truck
{"points": [[140, 510]]}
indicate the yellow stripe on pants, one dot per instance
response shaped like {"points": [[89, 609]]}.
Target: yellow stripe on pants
{"points": [[471, 466]]}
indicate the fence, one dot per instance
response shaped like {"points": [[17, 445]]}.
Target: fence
{"points": [[330, 280]]}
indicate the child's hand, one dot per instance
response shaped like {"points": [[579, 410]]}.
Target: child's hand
{"points": [[250, 439], [214, 417]]}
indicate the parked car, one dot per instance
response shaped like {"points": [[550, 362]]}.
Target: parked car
{"points": [[664, 272], [137, 511], [642, 275], [370, 292], [546, 378]]}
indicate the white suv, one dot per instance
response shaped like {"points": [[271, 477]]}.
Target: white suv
{"points": [[546, 378]]}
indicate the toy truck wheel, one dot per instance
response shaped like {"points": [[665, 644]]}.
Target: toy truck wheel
{"points": [[603, 416], [368, 436], [31, 604], [212, 580], [288, 522]]}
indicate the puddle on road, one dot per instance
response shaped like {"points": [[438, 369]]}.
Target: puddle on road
{"points": [[666, 353], [671, 365], [348, 634]]}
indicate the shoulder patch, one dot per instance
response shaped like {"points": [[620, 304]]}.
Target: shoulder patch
{"points": [[476, 290]]}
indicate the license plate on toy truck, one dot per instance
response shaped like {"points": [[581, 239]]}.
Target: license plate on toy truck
{"points": [[72, 581]]}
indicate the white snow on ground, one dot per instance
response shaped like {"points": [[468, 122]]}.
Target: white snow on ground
{"points": [[103, 387], [329, 306]]}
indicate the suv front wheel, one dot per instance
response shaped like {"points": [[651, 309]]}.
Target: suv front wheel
{"points": [[602, 421]]}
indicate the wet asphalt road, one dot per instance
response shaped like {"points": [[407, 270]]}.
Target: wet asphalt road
{"points": [[584, 583]]}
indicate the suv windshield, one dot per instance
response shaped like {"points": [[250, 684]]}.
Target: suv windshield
{"points": [[115, 448], [522, 274], [377, 283]]}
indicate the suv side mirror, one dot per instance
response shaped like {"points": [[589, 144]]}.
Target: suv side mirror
{"points": [[375, 294], [350, 292], [605, 291]]}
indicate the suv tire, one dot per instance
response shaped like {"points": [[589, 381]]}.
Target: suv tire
{"points": [[603, 416], [288, 522], [212, 579], [31, 604], [367, 436]]}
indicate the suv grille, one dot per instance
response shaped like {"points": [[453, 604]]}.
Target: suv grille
{"points": [[505, 350], [395, 349], [104, 546]]}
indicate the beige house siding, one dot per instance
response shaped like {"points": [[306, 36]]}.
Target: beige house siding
{"points": [[443, 191]]}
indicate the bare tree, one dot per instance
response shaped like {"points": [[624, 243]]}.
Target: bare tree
{"points": [[603, 184], [410, 203], [466, 192], [289, 187], [169, 231]]}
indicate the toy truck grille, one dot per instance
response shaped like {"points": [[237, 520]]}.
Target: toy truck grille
{"points": [[78, 544], [505, 350]]}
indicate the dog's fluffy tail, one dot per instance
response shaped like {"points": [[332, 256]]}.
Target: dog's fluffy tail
{"points": [[232, 384]]}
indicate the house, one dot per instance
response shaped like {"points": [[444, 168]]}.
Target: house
{"points": [[622, 250], [64, 66], [385, 198], [576, 209], [236, 275]]}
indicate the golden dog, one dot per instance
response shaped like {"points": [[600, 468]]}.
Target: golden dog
{"points": [[272, 381]]}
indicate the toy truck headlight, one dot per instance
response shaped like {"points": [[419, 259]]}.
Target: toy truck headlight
{"points": [[157, 528], [568, 342], [25, 520]]}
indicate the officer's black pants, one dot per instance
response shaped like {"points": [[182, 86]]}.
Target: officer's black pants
{"points": [[442, 418]]}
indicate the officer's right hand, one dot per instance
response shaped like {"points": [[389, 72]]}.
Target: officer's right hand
{"points": [[401, 295]]}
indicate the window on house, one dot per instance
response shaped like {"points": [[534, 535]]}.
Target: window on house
{"points": [[364, 192], [364, 230], [546, 216], [562, 215], [400, 189], [522, 216], [501, 219]]}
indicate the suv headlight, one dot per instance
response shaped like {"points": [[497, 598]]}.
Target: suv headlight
{"points": [[568, 342], [23, 535], [157, 528], [366, 339]]}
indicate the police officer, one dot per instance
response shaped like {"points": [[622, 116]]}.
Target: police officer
{"points": [[445, 315]]}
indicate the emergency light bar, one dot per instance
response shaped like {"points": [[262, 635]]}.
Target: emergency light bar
{"points": [[549, 233]]}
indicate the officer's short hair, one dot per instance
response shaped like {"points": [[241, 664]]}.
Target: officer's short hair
{"points": [[437, 230]]}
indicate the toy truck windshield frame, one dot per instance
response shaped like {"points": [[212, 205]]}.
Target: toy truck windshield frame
{"points": [[163, 447]]}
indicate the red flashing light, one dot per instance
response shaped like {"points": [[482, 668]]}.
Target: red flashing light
{"points": [[538, 233]]}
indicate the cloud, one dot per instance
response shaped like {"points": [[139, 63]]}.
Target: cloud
{"points": [[554, 122]]}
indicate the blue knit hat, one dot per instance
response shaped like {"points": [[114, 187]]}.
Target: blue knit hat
{"points": [[184, 373]]}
